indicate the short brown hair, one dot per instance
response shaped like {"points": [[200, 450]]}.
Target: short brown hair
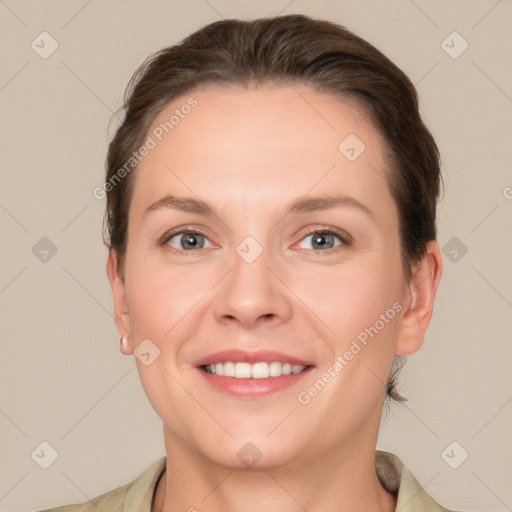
{"points": [[292, 49]]}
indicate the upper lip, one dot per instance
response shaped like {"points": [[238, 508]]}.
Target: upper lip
{"points": [[244, 356]]}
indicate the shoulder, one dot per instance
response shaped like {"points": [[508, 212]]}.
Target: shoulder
{"points": [[396, 478], [111, 501], [135, 496]]}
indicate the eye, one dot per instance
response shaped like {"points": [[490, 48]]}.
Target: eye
{"points": [[326, 239], [186, 240], [321, 239]]}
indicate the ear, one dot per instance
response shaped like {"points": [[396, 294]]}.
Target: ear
{"points": [[121, 316], [422, 287]]}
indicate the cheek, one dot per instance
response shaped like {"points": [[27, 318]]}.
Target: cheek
{"points": [[155, 307], [154, 298], [361, 305], [165, 300], [353, 297]]}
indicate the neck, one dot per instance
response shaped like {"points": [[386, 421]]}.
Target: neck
{"points": [[331, 482]]}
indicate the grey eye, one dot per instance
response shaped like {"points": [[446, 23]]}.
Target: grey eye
{"points": [[322, 240], [187, 241]]}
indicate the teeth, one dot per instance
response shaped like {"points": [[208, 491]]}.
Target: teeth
{"points": [[275, 369], [253, 371], [242, 370], [260, 371], [229, 370]]}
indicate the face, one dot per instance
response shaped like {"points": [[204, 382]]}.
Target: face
{"points": [[263, 240]]}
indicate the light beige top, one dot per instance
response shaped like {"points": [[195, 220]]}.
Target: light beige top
{"points": [[138, 495]]}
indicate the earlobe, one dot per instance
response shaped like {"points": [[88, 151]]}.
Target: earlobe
{"points": [[119, 298], [422, 286]]}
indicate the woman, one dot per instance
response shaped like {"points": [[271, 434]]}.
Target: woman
{"points": [[271, 208]]}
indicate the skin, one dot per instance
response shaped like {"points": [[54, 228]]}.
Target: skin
{"points": [[249, 153]]}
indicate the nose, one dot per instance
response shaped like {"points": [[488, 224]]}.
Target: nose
{"points": [[253, 294]]}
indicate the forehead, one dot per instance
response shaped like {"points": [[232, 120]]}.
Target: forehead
{"points": [[262, 144]]}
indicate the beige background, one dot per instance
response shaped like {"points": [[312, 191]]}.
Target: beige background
{"points": [[62, 378]]}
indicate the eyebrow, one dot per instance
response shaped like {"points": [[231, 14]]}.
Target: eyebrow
{"points": [[300, 205]]}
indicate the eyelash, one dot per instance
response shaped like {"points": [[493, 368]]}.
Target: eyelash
{"points": [[344, 238]]}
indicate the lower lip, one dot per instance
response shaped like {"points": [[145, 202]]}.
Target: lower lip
{"points": [[251, 388]]}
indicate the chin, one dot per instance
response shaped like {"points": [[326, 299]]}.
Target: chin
{"points": [[255, 455], [251, 449]]}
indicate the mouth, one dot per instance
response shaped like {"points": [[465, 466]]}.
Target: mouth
{"points": [[260, 370], [252, 374]]}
